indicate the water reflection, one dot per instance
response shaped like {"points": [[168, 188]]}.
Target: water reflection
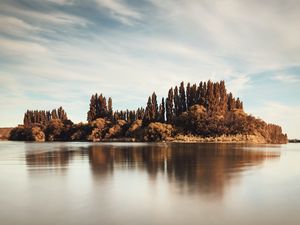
{"points": [[193, 168]]}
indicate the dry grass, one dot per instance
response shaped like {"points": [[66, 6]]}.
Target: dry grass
{"points": [[239, 138]]}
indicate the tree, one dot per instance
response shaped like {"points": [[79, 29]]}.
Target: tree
{"points": [[239, 104], [209, 98], [193, 94], [99, 108], [177, 106], [161, 117], [102, 107], [169, 106], [91, 115], [154, 108], [61, 114], [231, 105], [201, 93], [110, 109], [188, 95], [216, 99], [182, 105], [148, 112], [223, 98]]}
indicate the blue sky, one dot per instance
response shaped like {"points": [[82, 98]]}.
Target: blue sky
{"points": [[58, 52]]}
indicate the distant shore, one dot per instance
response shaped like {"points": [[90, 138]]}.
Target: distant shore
{"points": [[4, 133], [294, 140]]}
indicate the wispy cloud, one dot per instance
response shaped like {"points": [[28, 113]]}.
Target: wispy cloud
{"points": [[120, 10], [287, 78], [61, 2], [33, 16], [14, 26]]}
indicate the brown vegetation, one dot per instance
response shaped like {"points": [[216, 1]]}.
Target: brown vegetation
{"points": [[198, 112], [4, 133]]}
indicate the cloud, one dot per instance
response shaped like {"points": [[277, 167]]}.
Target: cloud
{"points": [[287, 78], [54, 17], [262, 42], [14, 26], [120, 10], [17, 47], [61, 2], [238, 83]]}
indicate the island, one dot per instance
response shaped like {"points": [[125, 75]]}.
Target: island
{"points": [[203, 112]]}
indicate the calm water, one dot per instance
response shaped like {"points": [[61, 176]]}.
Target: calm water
{"points": [[86, 183]]}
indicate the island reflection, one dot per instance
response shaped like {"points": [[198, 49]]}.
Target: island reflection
{"points": [[196, 168]]}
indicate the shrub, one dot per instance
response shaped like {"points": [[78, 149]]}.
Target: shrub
{"points": [[36, 134], [158, 132]]}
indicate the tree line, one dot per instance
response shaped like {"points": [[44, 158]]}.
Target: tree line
{"points": [[211, 95], [43, 117], [202, 110]]}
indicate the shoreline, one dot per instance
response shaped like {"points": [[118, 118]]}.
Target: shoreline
{"points": [[180, 141], [256, 138]]}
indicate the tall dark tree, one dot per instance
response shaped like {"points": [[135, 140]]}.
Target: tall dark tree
{"points": [[177, 106], [209, 97], [103, 107], [201, 93], [54, 114], [216, 99], [169, 106], [193, 94], [61, 114], [188, 95], [92, 113], [109, 106], [99, 108], [231, 104], [239, 104], [161, 113], [154, 107], [223, 98], [148, 112], [182, 98]]}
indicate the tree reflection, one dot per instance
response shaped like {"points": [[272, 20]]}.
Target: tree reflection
{"points": [[205, 168]]}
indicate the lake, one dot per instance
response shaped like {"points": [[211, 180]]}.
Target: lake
{"points": [[138, 183]]}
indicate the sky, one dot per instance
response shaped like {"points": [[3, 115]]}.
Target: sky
{"points": [[59, 52]]}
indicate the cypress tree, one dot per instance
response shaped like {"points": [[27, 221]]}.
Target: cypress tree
{"points": [[177, 106], [92, 113], [209, 97], [169, 106], [54, 114], [231, 104], [163, 120], [223, 98], [182, 98], [148, 112], [194, 94], [216, 100], [161, 117], [110, 110], [239, 104], [188, 95], [154, 108]]}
